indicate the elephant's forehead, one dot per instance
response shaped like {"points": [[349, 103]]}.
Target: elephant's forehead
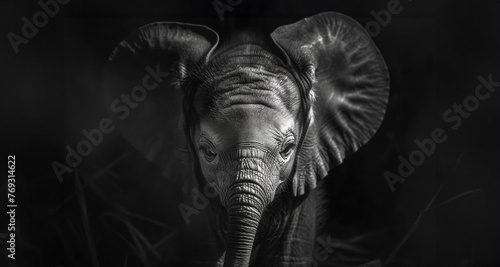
{"points": [[247, 123], [250, 76], [254, 85]]}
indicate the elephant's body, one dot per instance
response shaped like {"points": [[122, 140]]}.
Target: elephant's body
{"points": [[264, 119], [292, 233]]}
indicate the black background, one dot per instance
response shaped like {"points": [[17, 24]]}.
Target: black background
{"points": [[435, 51]]}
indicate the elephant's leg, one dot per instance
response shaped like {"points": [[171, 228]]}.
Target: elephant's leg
{"points": [[297, 245]]}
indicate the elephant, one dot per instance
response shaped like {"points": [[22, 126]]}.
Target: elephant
{"points": [[260, 119]]}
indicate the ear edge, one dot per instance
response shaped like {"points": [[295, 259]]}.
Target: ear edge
{"points": [[140, 48], [325, 151]]}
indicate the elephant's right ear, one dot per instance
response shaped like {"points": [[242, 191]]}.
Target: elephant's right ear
{"points": [[142, 88], [348, 88]]}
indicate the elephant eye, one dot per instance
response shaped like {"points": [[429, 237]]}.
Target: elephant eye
{"points": [[208, 152], [287, 149]]}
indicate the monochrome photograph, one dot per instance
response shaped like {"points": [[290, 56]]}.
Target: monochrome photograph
{"points": [[250, 133]]}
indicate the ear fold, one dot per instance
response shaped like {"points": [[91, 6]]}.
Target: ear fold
{"points": [[350, 82], [141, 85]]}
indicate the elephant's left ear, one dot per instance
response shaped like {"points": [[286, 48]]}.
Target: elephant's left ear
{"points": [[348, 93], [142, 85]]}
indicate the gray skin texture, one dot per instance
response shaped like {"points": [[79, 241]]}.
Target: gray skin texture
{"points": [[261, 119], [246, 139]]}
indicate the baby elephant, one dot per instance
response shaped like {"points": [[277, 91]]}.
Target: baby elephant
{"points": [[258, 119]]}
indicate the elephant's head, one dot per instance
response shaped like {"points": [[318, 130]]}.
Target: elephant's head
{"points": [[259, 117]]}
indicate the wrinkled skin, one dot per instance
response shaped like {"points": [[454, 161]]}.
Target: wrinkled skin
{"points": [[264, 119], [246, 140]]}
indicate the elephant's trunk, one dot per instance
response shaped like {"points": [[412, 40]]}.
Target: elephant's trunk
{"points": [[243, 222], [248, 197]]}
